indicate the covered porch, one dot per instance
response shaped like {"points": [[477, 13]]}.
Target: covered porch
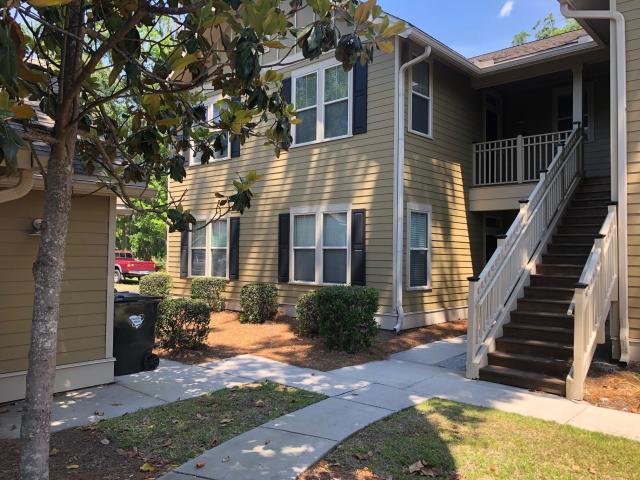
{"points": [[525, 123]]}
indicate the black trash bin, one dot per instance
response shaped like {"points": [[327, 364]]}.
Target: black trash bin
{"points": [[134, 327]]}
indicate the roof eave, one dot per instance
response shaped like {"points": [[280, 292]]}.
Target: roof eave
{"points": [[469, 67]]}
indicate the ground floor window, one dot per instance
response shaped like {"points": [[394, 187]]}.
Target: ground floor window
{"points": [[419, 246], [320, 245], [209, 249]]}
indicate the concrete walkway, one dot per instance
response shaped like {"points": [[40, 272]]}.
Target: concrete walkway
{"points": [[170, 382], [285, 447], [358, 396]]}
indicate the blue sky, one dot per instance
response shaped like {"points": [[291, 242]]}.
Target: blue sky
{"points": [[472, 27]]}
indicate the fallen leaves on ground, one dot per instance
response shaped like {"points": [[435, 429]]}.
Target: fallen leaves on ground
{"points": [[147, 467], [423, 469]]}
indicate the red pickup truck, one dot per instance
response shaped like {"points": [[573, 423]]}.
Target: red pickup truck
{"points": [[128, 267]]}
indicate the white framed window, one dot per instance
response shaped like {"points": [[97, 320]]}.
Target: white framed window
{"points": [[323, 97], [421, 101], [321, 245], [418, 247], [212, 113], [209, 249]]}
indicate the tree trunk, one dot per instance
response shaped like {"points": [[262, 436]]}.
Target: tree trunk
{"points": [[48, 269]]}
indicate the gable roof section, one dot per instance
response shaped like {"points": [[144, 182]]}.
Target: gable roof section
{"points": [[531, 48]]}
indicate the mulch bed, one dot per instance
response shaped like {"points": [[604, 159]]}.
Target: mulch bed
{"points": [[78, 454], [279, 340], [611, 386]]}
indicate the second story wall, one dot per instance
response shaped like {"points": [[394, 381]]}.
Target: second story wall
{"points": [[438, 174], [355, 171]]}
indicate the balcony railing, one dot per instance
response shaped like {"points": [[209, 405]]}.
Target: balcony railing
{"points": [[515, 160]]}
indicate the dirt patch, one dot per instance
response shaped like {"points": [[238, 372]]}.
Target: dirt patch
{"points": [[614, 387], [279, 340], [78, 454]]}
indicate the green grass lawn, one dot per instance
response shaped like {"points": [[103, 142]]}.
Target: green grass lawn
{"points": [[457, 441], [179, 431]]}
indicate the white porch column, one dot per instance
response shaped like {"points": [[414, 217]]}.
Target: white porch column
{"points": [[577, 93]]}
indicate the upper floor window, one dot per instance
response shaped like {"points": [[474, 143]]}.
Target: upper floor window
{"points": [[320, 246], [420, 106], [419, 251], [212, 114], [209, 249], [322, 97]]}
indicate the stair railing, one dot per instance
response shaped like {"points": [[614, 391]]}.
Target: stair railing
{"points": [[493, 293], [595, 291]]}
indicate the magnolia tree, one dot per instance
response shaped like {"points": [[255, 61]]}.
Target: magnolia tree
{"points": [[122, 81]]}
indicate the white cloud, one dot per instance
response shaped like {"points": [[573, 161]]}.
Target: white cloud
{"points": [[506, 9]]}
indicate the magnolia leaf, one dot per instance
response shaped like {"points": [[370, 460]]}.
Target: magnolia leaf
{"points": [[274, 44], [394, 29], [115, 72], [183, 62], [386, 46], [22, 112], [169, 122], [48, 3], [29, 75], [152, 103], [4, 100], [363, 11]]}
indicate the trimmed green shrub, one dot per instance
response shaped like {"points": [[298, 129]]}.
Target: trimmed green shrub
{"points": [[156, 284], [346, 317], [183, 323], [211, 290], [259, 302], [308, 314]]}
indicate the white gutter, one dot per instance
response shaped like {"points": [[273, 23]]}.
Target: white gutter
{"points": [[24, 186], [618, 93], [398, 175]]}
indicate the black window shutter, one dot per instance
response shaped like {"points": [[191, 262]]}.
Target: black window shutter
{"points": [[234, 248], [283, 247], [358, 252], [360, 81], [286, 89], [184, 254], [235, 147]]}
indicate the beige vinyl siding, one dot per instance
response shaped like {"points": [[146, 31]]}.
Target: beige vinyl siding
{"points": [[438, 172], [356, 171], [81, 334], [631, 10]]}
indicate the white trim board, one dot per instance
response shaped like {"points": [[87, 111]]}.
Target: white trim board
{"points": [[68, 377]]}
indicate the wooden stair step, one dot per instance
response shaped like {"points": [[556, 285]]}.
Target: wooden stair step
{"points": [[559, 269], [565, 258], [591, 229], [539, 348], [583, 220], [573, 239], [551, 293], [549, 366], [523, 379], [570, 248], [551, 281], [542, 318], [539, 332]]}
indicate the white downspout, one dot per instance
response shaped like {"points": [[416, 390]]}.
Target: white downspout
{"points": [[398, 187], [619, 162], [24, 186]]}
